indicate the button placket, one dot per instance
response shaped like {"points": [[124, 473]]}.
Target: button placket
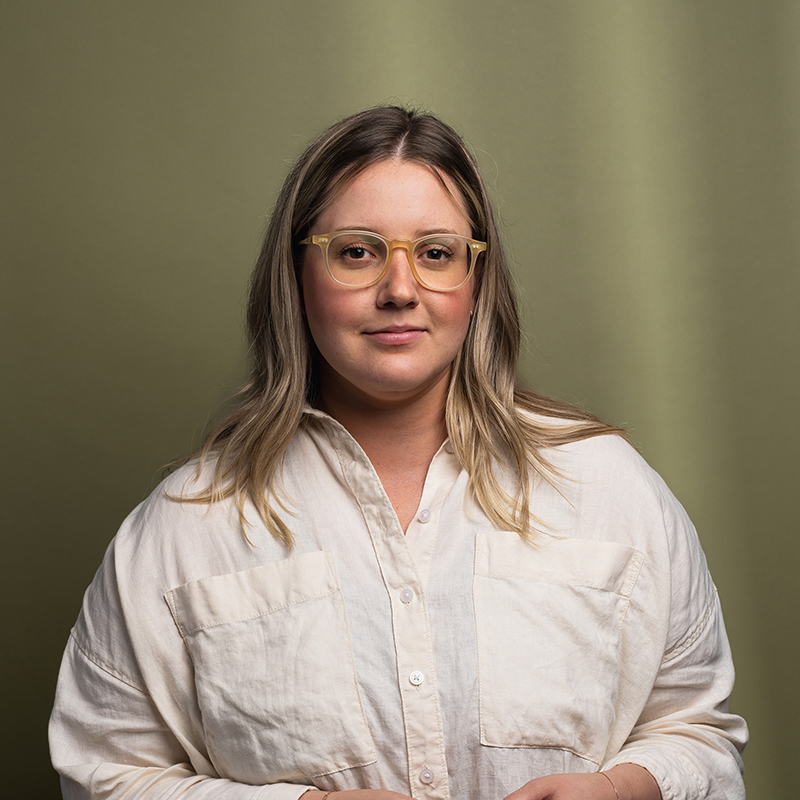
{"points": [[404, 563], [420, 701]]}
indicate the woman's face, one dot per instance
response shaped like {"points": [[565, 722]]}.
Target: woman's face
{"points": [[394, 341]]}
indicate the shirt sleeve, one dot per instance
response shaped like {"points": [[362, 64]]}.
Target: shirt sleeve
{"points": [[108, 740], [113, 736], [685, 735]]}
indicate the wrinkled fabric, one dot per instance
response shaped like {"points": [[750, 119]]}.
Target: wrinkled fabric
{"points": [[454, 661]]}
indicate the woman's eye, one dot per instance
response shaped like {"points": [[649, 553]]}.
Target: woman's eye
{"points": [[439, 254], [354, 253]]}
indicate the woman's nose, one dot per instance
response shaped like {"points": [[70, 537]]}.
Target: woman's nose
{"points": [[398, 287]]}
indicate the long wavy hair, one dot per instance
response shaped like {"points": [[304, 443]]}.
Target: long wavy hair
{"points": [[496, 426]]}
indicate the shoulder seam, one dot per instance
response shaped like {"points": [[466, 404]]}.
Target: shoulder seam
{"points": [[693, 635], [102, 664]]}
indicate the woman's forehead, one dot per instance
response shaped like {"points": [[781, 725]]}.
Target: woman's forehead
{"points": [[402, 191]]}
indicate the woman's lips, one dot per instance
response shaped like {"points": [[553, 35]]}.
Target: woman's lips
{"points": [[400, 334]]}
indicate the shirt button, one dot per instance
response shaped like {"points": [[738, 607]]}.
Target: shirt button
{"points": [[426, 776], [424, 515], [416, 677], [406, 595]]}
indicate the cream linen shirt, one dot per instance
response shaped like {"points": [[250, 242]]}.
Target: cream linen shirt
{"points": [[455, 661]]}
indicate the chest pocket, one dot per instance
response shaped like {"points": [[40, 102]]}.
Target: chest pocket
{"points": [[549, 621], [274, 670]]}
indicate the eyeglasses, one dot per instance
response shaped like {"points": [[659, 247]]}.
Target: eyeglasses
{"points": [[440, 261]]}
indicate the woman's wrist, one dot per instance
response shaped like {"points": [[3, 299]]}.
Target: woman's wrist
{"points": [[315, 794], [613, 785], [632, 782]]}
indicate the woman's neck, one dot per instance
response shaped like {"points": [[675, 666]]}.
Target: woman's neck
{"points": [[400, 439], [401, 434]]}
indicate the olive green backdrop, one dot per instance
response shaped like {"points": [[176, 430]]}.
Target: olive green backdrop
{"points": [[645, 157]]}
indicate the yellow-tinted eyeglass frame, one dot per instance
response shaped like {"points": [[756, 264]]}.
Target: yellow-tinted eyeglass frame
{"points": [[322, 240]]}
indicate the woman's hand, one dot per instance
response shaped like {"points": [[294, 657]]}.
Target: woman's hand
{"points": [[355, 794], [570, 786], [625, 781]]}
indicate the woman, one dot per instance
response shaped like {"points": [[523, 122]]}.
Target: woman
{"points": [[393, 571]]}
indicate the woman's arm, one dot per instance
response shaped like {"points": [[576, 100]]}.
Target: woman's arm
{"points": [[107, 739], [686, 736], [671, 716], [623, 782], [684, 733], [355, 794]]}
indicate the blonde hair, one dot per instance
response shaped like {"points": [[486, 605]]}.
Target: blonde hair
{"points": [[489, 415]]}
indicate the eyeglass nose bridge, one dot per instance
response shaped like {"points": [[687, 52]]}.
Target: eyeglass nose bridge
{"points": [[399, 244]]}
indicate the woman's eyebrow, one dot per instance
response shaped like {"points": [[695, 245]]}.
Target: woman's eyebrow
{"points": [[419, 234], [433, 231]]}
